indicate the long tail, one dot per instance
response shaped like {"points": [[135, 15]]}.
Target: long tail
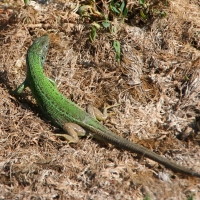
{"points": [[110, 137]]}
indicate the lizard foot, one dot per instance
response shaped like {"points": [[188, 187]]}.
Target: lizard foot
{"points": [[72, 132]]}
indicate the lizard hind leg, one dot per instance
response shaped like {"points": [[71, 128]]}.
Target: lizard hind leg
{"points": [[97, 114], [72, 132]]}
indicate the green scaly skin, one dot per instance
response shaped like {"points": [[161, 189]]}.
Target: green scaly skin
{"points": [[60, 110]]}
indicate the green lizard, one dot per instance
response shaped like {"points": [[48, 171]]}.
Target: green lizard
{"points": [[69, 116]]}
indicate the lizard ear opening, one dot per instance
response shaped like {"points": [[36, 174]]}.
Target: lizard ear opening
{"points": [[42, 59]]}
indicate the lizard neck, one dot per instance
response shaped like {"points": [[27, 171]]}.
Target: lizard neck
{"points": [[34, 65]]}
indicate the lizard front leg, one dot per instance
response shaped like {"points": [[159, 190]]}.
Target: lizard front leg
{"points": [[73, 131], [21, 87]]}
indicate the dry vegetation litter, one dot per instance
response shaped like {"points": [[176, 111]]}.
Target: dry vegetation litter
{"points": [[156, 84]]}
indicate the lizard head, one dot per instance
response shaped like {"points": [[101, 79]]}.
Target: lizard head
{"points": [[40, 47]]}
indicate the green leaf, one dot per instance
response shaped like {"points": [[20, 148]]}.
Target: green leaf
{"points": [[26, 2], [142, 2], [113, 7], [122, 6], [147, 198], [143, 15], [115, 10], [191, 197], [93, 33], [163, 14], [125, 12], [112, 29], [106, 24], [112, 3], [116, 46]]}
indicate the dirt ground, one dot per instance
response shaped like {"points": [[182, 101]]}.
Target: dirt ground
{"points": [[156, 84]]}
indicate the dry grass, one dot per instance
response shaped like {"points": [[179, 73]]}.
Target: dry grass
{"points": [[156, 85]]}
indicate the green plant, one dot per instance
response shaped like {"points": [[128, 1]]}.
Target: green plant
{"points": [[117, 49], [26, 2], [117, 10], [147, 197], [191, 197], [147, 10], [93, 33], [144, 9]]}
